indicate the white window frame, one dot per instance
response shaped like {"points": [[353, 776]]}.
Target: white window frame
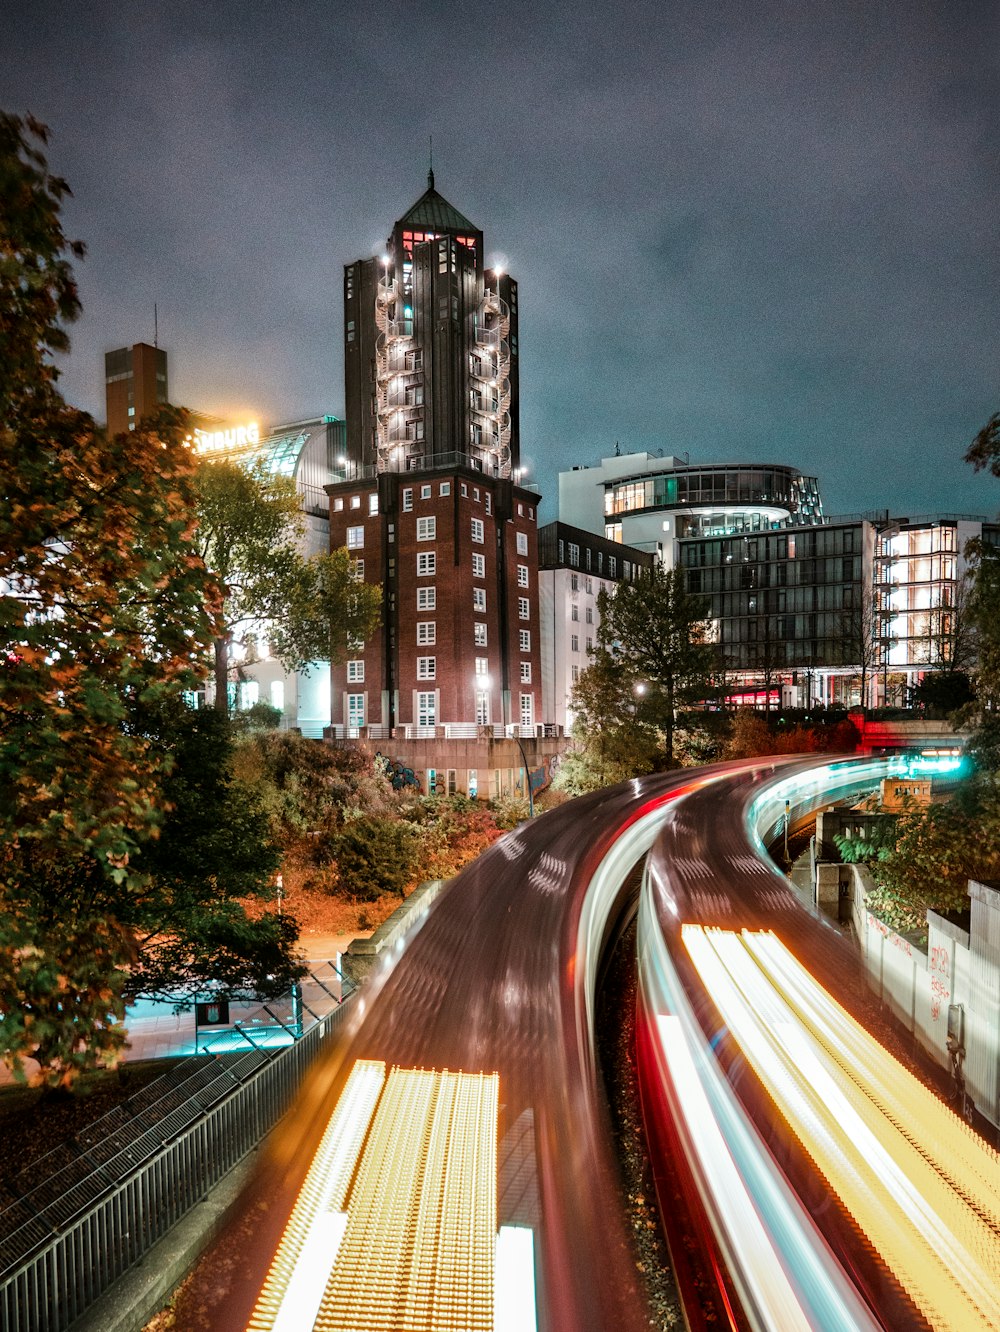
{"points": [[427, 668], [527, 710], [479, 599], [426, 633], [522, 543], [522, 575], [356, 671], [427, 528], [526, 672], [478, 531], [407, 499], [478, 565], [524, 637], [355, 538], [523, 608], [427, 707], [355, 710], [426, 563], [426, 598], [482, 666], [479, 634]]}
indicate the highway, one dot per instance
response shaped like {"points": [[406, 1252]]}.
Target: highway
{"points": [[452, 1165]]}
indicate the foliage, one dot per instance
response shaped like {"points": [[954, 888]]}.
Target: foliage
{"points": [[452, 830], [259, 716], [105, 602], [753, 735], [937, 851], [249, 523], [750, 736], [612, 740], [375, 856], [940, 693], [653, 632], [875, 846]]}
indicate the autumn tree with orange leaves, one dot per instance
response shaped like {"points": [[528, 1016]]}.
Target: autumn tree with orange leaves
{"points": [[104, 605]]}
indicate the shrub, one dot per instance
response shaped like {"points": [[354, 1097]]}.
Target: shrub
{"points": [[374, 856]]}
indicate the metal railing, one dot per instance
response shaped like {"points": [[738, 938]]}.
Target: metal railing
{"points": [[136, 1172]]}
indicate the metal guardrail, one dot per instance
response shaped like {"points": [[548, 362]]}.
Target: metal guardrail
{"points": [[65, 1243]]}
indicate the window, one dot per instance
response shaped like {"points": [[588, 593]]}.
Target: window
{"points": [[523, 608], [426, 668], [358, 570], [590, 644], [574, 582], [355, 644], [482, 665], [426, 598], [589, 614], [355, 709], [489, 502], [589, 583], [355, 672], [574, 612], [452, 781], [474, 779], [465, 489], [475, 493], [524, 637], [520, 511], [479, 598], [373, 502], [444, 488], [427, 709], [522, 575], [425, 492], [407, 500], [527, 709], [574, 643], [338, 506], [526, 672], [574, 673], [587, 558], [477, 530], [355, 538], [355, 501], [426, 632], [522, 543], [574, 554], [479, 633], [478, 566], [482, 707], [426, 529], [278, 695], [426, 563], [613, 566]]}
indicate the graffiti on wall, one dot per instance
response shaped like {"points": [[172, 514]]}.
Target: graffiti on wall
{"points": [[398, 774]]}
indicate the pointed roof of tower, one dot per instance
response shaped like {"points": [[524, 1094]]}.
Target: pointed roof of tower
{"points": [[433, 212]]}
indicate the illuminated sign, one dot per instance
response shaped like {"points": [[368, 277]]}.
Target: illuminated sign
{"points": [[236, 437]]}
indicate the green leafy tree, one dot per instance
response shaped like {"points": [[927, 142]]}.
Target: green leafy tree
{"points": [[613, 739], [375, 856], [249, 524], [653, 633], [103, 601]]}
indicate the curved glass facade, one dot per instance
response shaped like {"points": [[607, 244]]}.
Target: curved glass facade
{"points": [[717, 487]]}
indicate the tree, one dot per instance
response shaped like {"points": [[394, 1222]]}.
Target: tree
{"points": [[249, 522], [612, 737], [654, 636], [859, 637], [103, 602]]}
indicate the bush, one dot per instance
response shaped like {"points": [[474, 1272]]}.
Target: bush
{"points": [[375, 856]]}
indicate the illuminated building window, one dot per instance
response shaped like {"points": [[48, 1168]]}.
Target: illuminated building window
{"points": [[338, 506], [523, 608], [427, 709], [478, 565], [407, 500], [482, 665], [426, 668], [524, 640], [526, 672], [358, 570], [355, 501], [522, 543], [355, 672], [355, 538], [373, 503], [355, 709], [522, 575], [479, 634], [479, 598], [527, 709]]}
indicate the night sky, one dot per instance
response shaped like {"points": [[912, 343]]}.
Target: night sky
{"points": [[742, 231]]}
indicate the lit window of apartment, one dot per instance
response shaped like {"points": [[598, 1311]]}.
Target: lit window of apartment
{"points": [[522, 543], [373, 502], [523, 608], [338, 505], [358, 570], [527, 709], [478, 566], [520, 511], [526, 672], [477, 530], [522, 575], [355, 501], [426, 529], [426, 564], [479, 598], [407, 499], [427, 709], [479, 633], [426, 598], [355, 538], [426, 632], [355, 672], [524, 640], [426, 668], [482, 666], [355, 709]]}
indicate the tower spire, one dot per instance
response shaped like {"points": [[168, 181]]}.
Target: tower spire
{"points": [[430, 164]]}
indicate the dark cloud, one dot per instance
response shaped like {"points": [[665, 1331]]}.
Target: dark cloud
{"points": [[741, 231]]}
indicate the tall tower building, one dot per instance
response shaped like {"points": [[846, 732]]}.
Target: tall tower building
{"points": [[135, 384], [431, 504]]}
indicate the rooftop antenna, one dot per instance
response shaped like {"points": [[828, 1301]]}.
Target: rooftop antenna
{"points": [[156, 328], [430, 163]]}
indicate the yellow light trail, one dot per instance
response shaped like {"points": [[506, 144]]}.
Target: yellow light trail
{"points": [[416, 1248], [920, 1185]]}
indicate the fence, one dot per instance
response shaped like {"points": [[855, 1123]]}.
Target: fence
{"points": [[68, 1240]]}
